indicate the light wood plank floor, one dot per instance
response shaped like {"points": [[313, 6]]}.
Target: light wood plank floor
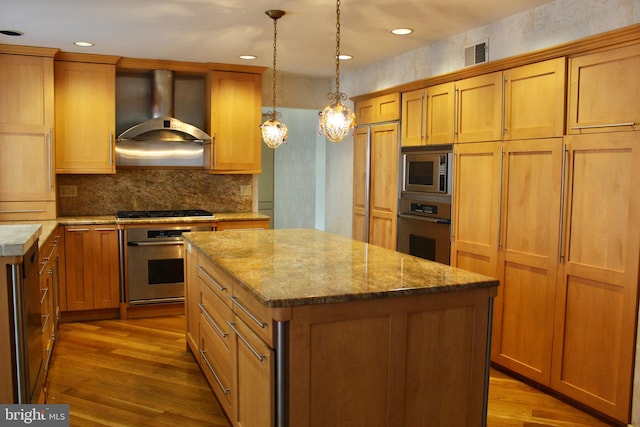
{"points": [[138, 373]]}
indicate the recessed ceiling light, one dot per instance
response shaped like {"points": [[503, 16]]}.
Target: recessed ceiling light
{"points": [[84, 44], [344, 57], [248, 57], [402, 31], [11, 33]]}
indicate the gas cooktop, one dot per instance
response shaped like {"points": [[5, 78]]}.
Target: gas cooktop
{"points": [[179, 213]]}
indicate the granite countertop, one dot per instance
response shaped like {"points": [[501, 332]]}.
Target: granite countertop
{"points": [[16, 237], [303, 266]]}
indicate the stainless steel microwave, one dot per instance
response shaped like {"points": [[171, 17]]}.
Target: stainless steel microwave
{"points": [[428, 171]]}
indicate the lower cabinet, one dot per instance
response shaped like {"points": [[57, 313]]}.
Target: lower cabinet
{"points": [[51, 253], [91, 267], [558, 222]]}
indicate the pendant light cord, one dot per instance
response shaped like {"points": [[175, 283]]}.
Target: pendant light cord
{"points": [[275, 38], [337, 46]]}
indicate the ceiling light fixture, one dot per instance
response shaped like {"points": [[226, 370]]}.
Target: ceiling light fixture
{"points": [[337, 119], [345, 57], [84, 44], [402, 31], [274, 133], [248, 57]]}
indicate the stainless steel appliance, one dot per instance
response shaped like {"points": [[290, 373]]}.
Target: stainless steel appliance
{"points": [[424, 214], [427, 169], [154, 256], [26, 339], [424, 227]]}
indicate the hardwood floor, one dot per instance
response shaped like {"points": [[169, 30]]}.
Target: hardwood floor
{"points": [[138, 373]]}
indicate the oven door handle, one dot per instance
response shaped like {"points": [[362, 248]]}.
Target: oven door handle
{"points": [[161, 243], [424, 218]]}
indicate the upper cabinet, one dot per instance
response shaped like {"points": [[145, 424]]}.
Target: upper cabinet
{"points": [[385, 108], [534, 100], [235, 117], [479, 108], [603, 91], [427, 115], [85, 113], [518, 103], [27, 178]]}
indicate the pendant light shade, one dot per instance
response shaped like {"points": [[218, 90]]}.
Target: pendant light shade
{"points": [[274, 133], [336, 120]]}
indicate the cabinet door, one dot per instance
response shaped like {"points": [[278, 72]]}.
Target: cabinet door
{"points": [[105, 263], [361, 183], [85, 117], [254, 379], [413, 118], [236, 100], [534, 100], [27, 178], [78, 271], [440, 113], [91, 268], [479, 108], [192, 298], [604, 91], [474, 244], [384, 108], [383, 203], [595, 331], [528, 257]]}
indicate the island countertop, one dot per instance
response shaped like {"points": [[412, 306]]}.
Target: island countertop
{"points": [[284, 268]]}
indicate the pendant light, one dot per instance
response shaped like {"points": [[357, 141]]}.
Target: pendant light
{"points": [[337, 119], [274, 133]]}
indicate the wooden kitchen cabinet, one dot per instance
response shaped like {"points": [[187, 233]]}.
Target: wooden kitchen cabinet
{"points": [[427, 116], [385, 108], [234, 117], [91, 267], [534, 97], [479, 108], [375, 184], [604, 91], [27, 153], [595, 326], [527, 255], [85, 113]]}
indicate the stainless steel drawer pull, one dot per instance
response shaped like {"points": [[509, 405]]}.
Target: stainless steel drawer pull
{"points": [[105, 229], [44, 294], [77, 229], [204, 311], [204, 357], [160, 243], [211, 279], [608, 125], [44, 323], [247, 343], [248, 313]]}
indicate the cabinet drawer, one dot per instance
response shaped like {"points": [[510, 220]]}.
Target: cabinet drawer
{"points": [[215, 313], [22, 211], [215, 360], [253, 313], [215, 278]]}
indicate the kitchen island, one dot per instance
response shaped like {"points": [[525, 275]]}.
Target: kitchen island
{"points": [[306, 328]]}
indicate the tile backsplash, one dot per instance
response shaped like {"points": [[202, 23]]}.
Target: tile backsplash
{"points": [[152, 189]]}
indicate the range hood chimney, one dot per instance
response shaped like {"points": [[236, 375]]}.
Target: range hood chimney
{"points": [[163, 141]]}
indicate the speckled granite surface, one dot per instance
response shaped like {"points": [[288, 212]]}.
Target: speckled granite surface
{"points": [[304, 266]]}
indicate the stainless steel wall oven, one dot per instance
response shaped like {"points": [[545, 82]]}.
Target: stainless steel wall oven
{"points": [[424, 214]]}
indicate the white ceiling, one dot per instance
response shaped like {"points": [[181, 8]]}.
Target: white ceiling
{"points": [[221, 30]]}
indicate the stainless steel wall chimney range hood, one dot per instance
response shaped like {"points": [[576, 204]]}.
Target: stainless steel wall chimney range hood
{"points": [[163, 141]]}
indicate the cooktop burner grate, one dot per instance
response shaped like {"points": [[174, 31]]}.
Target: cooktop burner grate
{"points": [[178, 213]]}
